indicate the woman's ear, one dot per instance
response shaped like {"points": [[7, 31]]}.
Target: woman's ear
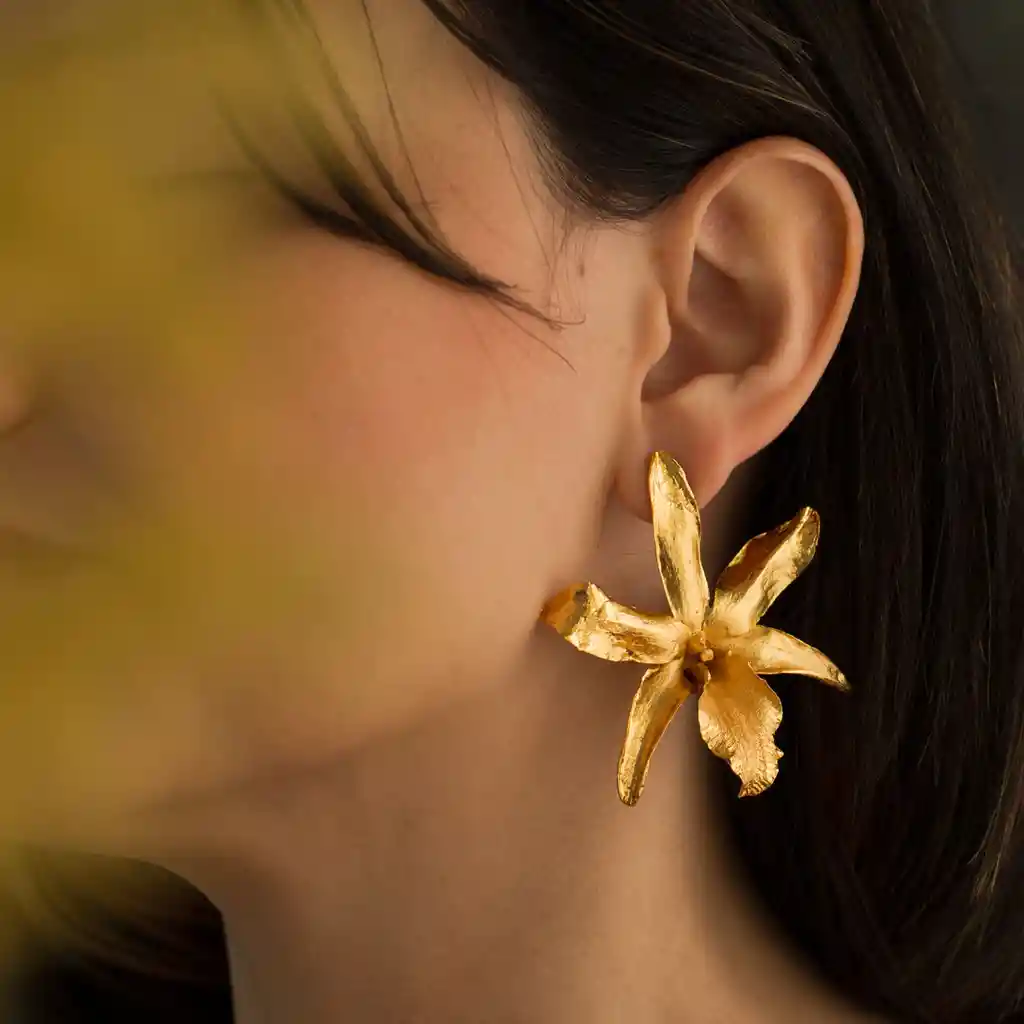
{"points": [[755, 268]]}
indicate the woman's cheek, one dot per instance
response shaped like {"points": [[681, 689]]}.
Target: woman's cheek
{"points": [[390, 405]]}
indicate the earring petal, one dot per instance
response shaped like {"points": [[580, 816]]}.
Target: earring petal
{"points": [[739, 714], [661, 693], [676, 518], [770, 651], [595, 624], [764, 567]]}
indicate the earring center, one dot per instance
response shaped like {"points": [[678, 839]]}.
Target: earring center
{"points": [[696, 659]]}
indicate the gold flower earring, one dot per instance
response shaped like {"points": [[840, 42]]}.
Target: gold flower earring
{"points": [[713, 649]]}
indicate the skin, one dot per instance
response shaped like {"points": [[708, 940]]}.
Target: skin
{"points": [[398, 787]]}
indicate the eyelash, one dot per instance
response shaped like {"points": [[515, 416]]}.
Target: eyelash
{"points": [[316, 213], [324, 217]]}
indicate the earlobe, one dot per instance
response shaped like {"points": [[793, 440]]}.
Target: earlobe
{"points": [[757, 266]]}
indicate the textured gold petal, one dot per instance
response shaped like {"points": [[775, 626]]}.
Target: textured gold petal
{"points": [[770, 650], [595, 624], [659, 697], [739, 713], [764, 567], [677, 541]]}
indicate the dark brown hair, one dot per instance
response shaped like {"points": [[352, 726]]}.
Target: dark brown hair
{"points": [[891, 849]]}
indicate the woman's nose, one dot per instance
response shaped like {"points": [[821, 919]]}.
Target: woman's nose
{"points": [[16, 388]]}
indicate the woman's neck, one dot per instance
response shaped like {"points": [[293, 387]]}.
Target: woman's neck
{"points": [[482, 868]]}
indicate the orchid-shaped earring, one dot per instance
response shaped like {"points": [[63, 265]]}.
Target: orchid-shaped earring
{"points": [[715, 650]]}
